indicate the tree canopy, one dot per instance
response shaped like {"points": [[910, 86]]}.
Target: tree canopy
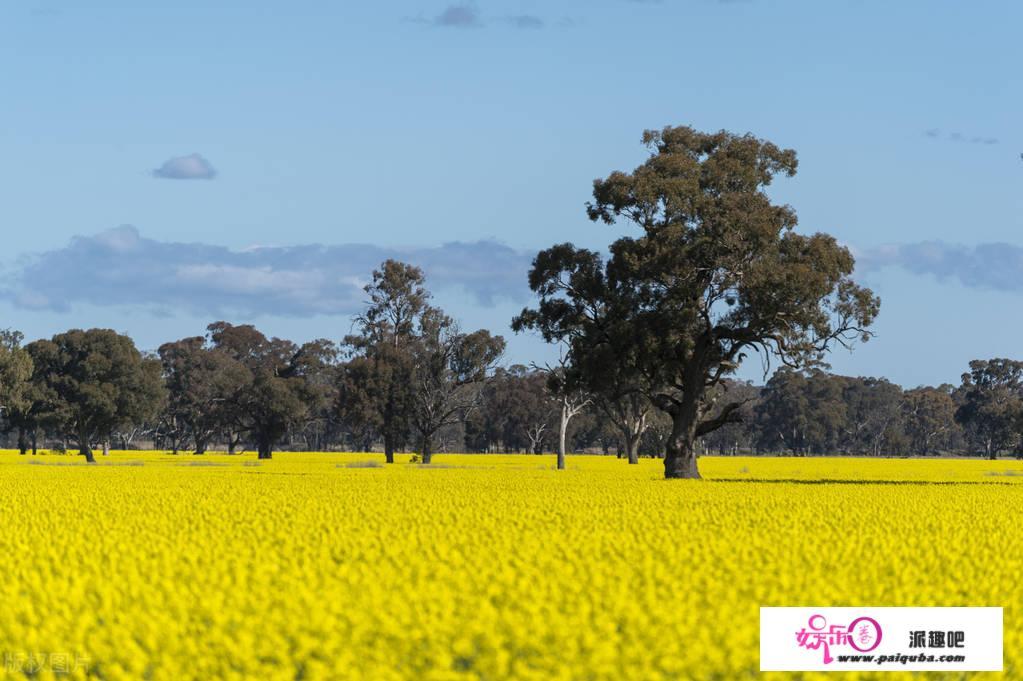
{"points": [[15, 374], [94, 382]]}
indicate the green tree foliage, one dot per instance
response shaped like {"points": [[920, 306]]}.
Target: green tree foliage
{"points": [[282, 388], [449, 371], [820, 413], [205, 386], [801, 413], [992, 404], [15, 381], [93, 382], [387, 329], [517, 413], [874, 410], [929, 419], [424, 373], [357, 404]]}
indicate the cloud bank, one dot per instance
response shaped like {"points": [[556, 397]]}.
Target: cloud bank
{"points": [[191, 167], [938, 134], [120, 267], [991, 266], [458, 16], [466, 15], [525, 21]]}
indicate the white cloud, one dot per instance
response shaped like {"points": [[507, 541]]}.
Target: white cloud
{"points": [[191, 167], [993, 266]]}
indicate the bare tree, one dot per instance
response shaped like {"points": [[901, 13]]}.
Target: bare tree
{"points": [[571, 397]]}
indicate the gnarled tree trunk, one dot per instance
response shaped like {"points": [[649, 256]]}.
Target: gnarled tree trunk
{"points": [[570, 406], [680, 460], [632, 448], [85, 449], [680, 449], [566, 415], [633, 433]]}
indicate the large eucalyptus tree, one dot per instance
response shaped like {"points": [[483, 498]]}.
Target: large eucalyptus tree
{"points": [[715, 272]]}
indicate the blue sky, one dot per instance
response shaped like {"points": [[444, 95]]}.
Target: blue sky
{"points": [[229, 133]]}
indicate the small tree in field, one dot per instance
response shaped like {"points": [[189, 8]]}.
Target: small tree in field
{"points": [[383, 344], [95, 382], [204, 385], [278, 393], [565, 386], [716, 272], [449, 372], [424, 374]]}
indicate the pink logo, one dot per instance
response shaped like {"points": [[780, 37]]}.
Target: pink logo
{"points": [[862, 634]]}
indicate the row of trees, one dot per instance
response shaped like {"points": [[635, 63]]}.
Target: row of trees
{"points": [[801, 413], [709, 272], [408, 372], [409, 380], [818, 412]]}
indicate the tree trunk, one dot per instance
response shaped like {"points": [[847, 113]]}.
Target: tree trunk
{"points": [[562, 433], [388, 448], [22, 442], [680, 449], [631, 428], [106, 447], [632, 448], [86, 450], [535, 441], [35, 441], [427, 449], [265, 448], [680, 460]]}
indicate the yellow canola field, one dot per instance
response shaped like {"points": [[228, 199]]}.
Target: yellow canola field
{"points": [[322, 566]]}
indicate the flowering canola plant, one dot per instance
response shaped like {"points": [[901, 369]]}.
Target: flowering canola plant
{"points": [[328, 566]]}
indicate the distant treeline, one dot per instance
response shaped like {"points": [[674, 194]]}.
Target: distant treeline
{"points": [[234, 389]]}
